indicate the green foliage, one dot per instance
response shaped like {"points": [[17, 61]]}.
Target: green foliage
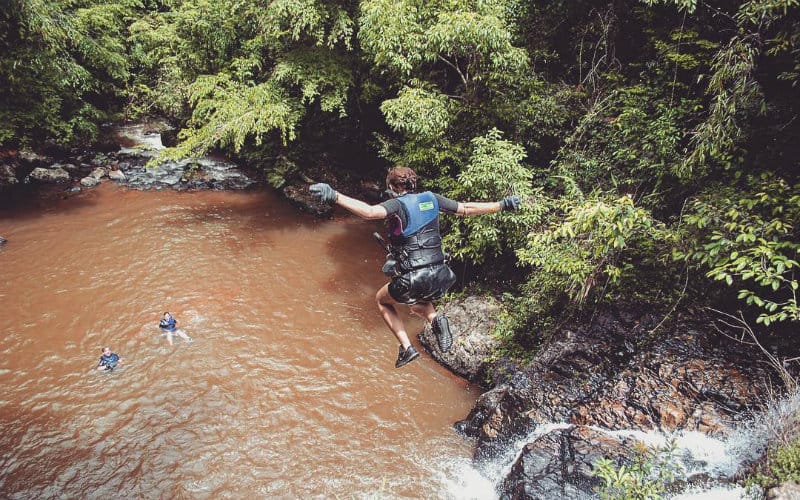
{"points": [[227, 114], [249, 72], [318, 74], [735, 94], [495, 170], [418, 113], [645, 478], [627, 142], [448, 61], [749, 238], [58, 61], [468, 37], [782, 465], [685, 5], [590, 244]]}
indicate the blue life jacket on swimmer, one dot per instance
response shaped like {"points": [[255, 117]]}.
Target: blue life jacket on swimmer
{"points": [[110, 361], [168, 325], [419, 244]]}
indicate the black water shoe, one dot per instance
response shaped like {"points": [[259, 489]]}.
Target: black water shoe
{"points": [[441, 328], [406, 356]]}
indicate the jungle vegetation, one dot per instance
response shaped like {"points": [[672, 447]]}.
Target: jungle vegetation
{"points": [[656, 142]]}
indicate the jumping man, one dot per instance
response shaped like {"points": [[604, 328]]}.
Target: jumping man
{"points": [[416, 263]]}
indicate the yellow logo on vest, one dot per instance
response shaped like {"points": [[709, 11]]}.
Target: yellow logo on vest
{"points": [[425, 205]]}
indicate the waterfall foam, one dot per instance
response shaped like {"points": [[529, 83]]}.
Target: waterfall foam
{"points": [[717, 458]]}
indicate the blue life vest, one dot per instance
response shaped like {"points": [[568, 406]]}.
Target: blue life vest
{"points": [[419, 244], [110, 361], [167, 324]]}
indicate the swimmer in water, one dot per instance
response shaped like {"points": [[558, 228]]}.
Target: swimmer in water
{"points": [[170, 326], [108, 361]]}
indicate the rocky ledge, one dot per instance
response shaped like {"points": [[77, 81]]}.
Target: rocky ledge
{"points": [[610, 372], [137, 145]]}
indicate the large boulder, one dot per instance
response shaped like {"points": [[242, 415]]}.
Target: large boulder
{"points": [[48, 175], [560, 463], [471, 322]]}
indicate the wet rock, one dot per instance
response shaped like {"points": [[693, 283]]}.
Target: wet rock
{"points": [[33, 158], [198, 173], [89, 181], [70, 167], [3, 241], [471, 322], [559, 464], [117, 175], [498, 417], [98, 173], [684, 382], [612, 372], [8, 176], [786, 491], [48, 175]]}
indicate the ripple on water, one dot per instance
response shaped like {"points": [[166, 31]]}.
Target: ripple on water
{"points": [[288, 390]]}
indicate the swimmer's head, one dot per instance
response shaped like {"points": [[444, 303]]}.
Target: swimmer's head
{"points": [[106, 350]]}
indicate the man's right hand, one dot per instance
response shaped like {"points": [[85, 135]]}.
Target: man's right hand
{"points": [[510, 203], [323, 192]]}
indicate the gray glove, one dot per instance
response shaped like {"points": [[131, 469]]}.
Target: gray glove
{"points": [[323, 192], [510, 203]]}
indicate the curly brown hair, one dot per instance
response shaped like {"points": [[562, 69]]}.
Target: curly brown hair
{"points": [[401, 179]]}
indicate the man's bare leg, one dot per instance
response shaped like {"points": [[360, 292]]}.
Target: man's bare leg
{"points": [[424, 310], [386, 305]]}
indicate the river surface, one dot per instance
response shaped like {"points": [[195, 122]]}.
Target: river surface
{"points": [[288, 389]]}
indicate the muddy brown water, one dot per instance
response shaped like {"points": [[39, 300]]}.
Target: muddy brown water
{"points": [[288, 390]]}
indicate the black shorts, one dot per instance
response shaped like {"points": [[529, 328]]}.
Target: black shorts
{"points": [[422, 285]]}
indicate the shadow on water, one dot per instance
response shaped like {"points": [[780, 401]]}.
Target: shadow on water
{"points": [[32, 202]]}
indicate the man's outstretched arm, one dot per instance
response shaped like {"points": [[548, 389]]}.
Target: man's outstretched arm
{"points": [[480, 208], [325, 193]]}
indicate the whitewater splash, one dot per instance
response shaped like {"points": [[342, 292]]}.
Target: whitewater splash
{"points": [[699, 455]]}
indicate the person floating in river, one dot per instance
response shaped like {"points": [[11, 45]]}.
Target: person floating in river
{"points": [[416, 262], [108, 360], [170, 326]]}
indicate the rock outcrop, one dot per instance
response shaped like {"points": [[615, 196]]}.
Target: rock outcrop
{"points": [[613, 372], [471, 320]]}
